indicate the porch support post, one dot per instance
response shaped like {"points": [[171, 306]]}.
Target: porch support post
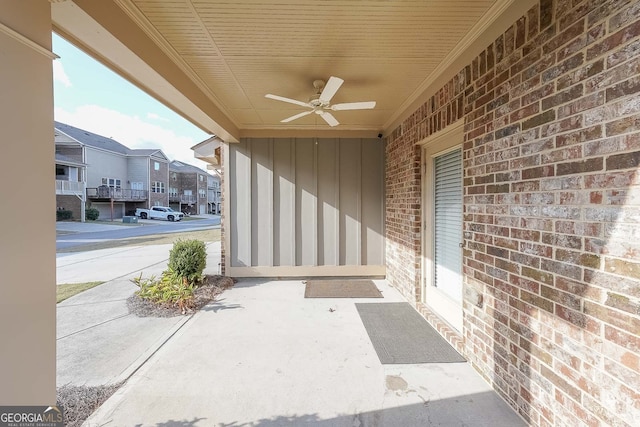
{"points": [[28, 228], [83, 205]]}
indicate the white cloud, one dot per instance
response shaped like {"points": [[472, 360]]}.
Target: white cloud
{"points": [[131, 131], [154, 116], [59, 75]]}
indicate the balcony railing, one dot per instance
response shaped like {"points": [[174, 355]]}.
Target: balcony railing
{"points": [[116, 194], [182, 198], [70, 187]]}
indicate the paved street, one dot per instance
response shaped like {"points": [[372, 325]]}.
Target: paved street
{"points": [[74, 234]]}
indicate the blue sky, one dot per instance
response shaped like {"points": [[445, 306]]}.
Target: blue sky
{"points": [[89, 96]]}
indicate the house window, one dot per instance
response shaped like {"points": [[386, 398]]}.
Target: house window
{"points": [[202, 194], [157, 187], [156, 166], [201, 178], [112, 183], [173, 191]]}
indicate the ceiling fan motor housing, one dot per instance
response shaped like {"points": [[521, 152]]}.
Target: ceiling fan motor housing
{"points": [[315, 101]]}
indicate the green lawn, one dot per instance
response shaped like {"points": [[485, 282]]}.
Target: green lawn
{"points": [[68, 290]]}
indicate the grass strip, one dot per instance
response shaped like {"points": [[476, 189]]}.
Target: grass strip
{"points": [[68, 290]]}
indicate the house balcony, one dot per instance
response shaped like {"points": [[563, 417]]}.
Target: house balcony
{"points": [[182, 198], [117, 194], [70, 188]]}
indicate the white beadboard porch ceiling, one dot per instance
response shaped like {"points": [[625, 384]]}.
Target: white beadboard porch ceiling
{"points": [[236, 51]]}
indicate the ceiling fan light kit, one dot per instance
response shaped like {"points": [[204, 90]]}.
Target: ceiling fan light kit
{"points": [[320, 102]]}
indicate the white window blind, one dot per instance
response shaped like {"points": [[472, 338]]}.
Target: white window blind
{"points": [[448, 223]]}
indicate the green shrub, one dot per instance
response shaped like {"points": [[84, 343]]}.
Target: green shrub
{"points": [[169, 289], [91, 214], [176, 284], [62, 214], [187, 259]]}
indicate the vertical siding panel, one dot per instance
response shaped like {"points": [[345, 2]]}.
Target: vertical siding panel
{"points": [[261, 203], [284, 190], [240, 204], [305, 202], [328, 219], [350, 193], [372, 209]]}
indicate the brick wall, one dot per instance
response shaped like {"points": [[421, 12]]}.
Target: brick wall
{"points": [[552, 211], [69, 203], [161, 175]]}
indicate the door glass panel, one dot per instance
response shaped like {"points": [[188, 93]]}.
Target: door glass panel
{"points": [[448, 224]]}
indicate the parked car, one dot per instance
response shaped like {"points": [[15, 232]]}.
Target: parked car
{"points": [[159, 212]]}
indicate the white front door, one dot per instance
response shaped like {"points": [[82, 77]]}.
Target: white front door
{"points": [[447, 221], [443, 237]]}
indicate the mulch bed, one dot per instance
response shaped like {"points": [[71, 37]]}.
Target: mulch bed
{"points": [[78, 402], [211, 287]]}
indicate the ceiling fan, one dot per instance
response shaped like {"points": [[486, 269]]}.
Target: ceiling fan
{"points": [[320, 102]]}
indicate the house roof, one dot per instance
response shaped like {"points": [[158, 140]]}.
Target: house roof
{"points": [[98, 141], [91, 139], [177, 166], [215, 61]]}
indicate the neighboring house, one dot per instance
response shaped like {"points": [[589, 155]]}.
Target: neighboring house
{"points": [[213, 194], [70, 175], [189, 188], [210, 151], [119, 179]]}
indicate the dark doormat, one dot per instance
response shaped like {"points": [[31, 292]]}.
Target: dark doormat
{"points": [[341, 289], [400, 335]]}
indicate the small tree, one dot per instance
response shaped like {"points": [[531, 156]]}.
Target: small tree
{"points": [[175, 286], [187, 259]]}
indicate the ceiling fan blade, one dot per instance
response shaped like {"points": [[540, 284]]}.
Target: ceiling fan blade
{"points": [[328, 117], [289, 100], [297, 116], [330, 89], [354, 106]]}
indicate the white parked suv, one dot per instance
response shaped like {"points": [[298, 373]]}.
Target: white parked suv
{"points": [[159, 212]]}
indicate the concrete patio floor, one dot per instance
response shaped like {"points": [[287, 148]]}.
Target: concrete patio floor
{"points": [[263, 355]]}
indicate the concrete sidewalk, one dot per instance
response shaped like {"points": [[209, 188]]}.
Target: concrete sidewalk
{"points": [[98, 341], [264, 355]]}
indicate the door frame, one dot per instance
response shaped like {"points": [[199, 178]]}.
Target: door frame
{"points": [[444, 306]]}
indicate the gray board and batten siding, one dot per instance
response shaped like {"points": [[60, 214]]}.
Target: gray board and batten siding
{"points": [[306, 207]]}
